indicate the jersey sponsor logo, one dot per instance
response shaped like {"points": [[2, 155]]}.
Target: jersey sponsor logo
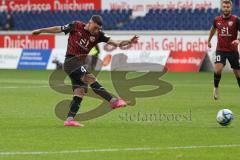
{"points": [[230, 23], [92, 38], [83, 43]]}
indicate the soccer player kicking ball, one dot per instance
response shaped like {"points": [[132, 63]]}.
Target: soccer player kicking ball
{"points": [[227, 27], [82, 38]]}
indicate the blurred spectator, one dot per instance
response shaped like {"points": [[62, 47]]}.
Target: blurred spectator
{"points": [[1, 25], [9, 22], [3, 6]]}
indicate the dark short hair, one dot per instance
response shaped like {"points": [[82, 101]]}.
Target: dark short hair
{"points": [[226, 2], [97, 19]]}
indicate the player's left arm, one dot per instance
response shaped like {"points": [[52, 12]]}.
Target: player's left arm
{"points": [[123, 43], [117, 43], [237, 41]]}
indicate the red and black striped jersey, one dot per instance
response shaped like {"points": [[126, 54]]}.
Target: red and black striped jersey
{"points": [[227, 29], [81, 41]]}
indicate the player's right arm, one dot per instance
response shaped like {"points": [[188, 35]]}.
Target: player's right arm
{"points": [[211, 34], [56, 29]]}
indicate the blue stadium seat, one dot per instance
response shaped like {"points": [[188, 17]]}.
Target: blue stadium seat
{"points": [[177, 19]]}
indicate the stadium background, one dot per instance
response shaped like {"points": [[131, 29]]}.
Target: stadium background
{"points": [[172, 33]]}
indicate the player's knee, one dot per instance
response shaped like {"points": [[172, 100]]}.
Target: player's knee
{"points": [[218, 68], [236, 72], [79, 92], [89, 78], [217, 72]]}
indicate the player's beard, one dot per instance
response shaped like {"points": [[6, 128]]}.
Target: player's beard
{"points": [[227, 13]]}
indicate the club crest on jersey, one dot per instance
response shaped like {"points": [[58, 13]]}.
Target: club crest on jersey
{"points": [[92, 38], [230, 23]]}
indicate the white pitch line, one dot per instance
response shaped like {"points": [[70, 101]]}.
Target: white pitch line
{"points": [[25, 87], [23, 81], [114, 150], [212, 146], [47, 86]]}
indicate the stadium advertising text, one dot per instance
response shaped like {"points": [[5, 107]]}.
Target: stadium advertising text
{"points": [[46, 5], [27, 41], [190, 61], [9, 58], [138, 7], [168, 43], [142, 7]]}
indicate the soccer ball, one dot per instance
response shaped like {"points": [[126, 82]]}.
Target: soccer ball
{"points": [[224, 117]]}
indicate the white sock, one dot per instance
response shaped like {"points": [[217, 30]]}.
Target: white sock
{"points": [[70, 119], [113, 100]]}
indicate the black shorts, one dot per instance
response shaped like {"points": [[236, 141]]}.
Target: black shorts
{"points": [[232, 57], [76, 69]]}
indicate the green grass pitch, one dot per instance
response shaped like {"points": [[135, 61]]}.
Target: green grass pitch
{"points": [[29, 129]]}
